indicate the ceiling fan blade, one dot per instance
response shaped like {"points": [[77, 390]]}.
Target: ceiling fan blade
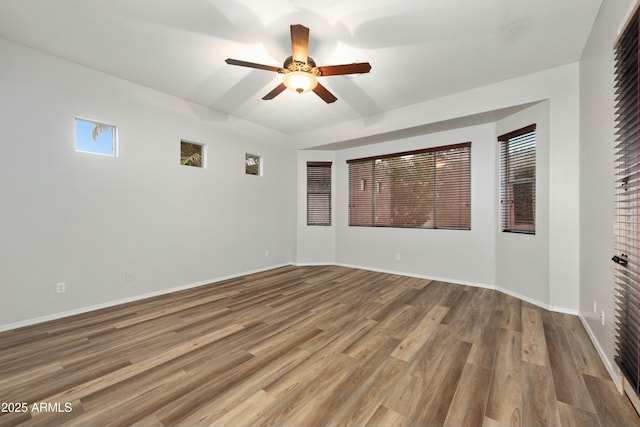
{"points": [[275, 92], [252, 65], [299, 43], [337, 70], [323, 93]]}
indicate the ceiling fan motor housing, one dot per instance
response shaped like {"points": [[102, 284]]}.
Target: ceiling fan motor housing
{"points": [[308, 67]]}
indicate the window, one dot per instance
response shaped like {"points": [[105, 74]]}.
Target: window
{"points": [[318, 193], [518, 180], [191, 154], [253, 164], [429, 188], [627, 229], [95, 137]]}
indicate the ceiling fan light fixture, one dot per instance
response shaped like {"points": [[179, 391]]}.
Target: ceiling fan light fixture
{"points": [[300, 81]]}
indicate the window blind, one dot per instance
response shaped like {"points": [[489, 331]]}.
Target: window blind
{"points": [[518, 180], [428, 188], [318, 193], [627, 273]]}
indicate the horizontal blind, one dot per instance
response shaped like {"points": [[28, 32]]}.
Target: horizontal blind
{"points": [[318, 193], [518, 180], [627, 274], [361, 199], [429, 188]]}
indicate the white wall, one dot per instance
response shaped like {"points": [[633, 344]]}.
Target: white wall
{"points": [[523, 259], [315, 244], [87, 219], [597, 175]]}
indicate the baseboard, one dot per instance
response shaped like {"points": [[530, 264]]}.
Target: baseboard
{"points": [[611, 368], [108, 304], [618, 379], [417, 276], [538, 303], [312, 264], [631, 394], [467, 283]]}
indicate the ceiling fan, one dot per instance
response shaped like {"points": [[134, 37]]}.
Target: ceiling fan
{"points": [[300, 70]]}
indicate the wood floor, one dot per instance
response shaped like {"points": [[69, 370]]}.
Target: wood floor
{"points": [[311, 346]]}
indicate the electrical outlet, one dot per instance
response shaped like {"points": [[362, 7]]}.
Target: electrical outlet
{"points": [[602, 317], [397, 257], [61, 288], [128, 276], [266, 253]]}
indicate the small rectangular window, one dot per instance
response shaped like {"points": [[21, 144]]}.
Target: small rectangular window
{"points": [[253, 164], [191, 154], [518, 180], [95, 137], [318, 193]]}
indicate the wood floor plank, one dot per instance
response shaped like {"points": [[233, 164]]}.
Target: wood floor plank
{"points": [[173, 308], [610, 409], [246, 412], [34, 355], [570, 416], [505, 397], [306, 372], [443, 378], [40, 373], [585, 354], [334, 396], [511, 308], [539, 402], [129, 388], [488, 422], [534, 345], [312, 346], [149, 421], [469, 403], [425, 391], [214, 398], [459, 307], [361, 405], [398, 321], [451, 294], [340, 336], [58, 383], [132, 407], [466, 327], [391, 293], [305, 389], [264, 373], [429, 295], [368, 343], [88, 387], [47, 419], [10, 419], [485, 342], [416, 338], [568, 380], [385, 417]]}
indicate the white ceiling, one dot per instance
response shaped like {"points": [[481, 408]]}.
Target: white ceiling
{"points": [[418, 49]]}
